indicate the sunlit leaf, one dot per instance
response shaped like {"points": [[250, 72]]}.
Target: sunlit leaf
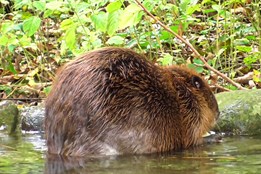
{"points": [[25, 41], [192, 9], [47, 13], [167, 59], [113, 6], [39, 5], [113, 23], [115, 40], [244, 48], [4, 40], [67, 23], [129, 16], [100, 21], [257, 76], [216, 7], [31, 25], [242, 41], [53, 5], [70, 39], [8, 39], [6, 26]]}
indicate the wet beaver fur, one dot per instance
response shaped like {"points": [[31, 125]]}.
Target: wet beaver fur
{"points": [[114, 101]]}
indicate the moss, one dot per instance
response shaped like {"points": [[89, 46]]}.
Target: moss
{"points": [[240, 112], [9, 116]]}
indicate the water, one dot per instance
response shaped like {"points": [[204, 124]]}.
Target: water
{"points": [[26, 154]]}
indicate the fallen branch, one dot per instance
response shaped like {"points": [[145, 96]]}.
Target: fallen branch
{"points": [[191, 47], [244, 79]]}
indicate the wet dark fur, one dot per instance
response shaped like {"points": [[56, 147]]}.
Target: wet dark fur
{"points": [[114, 101]]}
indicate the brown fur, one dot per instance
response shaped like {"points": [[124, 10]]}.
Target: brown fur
{"points": [[114, 101]]}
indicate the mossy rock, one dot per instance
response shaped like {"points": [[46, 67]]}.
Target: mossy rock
{"points": [[9, 116], [240, 112]]}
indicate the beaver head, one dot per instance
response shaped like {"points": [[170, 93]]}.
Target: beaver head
{"points": [[197, 104]]}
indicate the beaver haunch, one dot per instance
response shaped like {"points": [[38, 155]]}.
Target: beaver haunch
{"points": [[114, 101]]}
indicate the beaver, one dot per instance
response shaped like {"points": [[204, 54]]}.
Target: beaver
{"points": [[114, 101]]}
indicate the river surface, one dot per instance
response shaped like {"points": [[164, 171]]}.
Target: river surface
{"points": [[26, 154]]}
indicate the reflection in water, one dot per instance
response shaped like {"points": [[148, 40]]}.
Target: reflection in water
{"points": [[27, 154], [214, 158]]}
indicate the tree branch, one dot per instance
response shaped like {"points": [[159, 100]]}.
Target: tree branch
{"points": [[191, 47]]}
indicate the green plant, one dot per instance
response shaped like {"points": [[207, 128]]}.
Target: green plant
{"points": [[37, 37]]}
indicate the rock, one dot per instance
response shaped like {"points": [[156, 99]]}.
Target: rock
{"points": [[9, 116], [240, 112], [32, 118]]}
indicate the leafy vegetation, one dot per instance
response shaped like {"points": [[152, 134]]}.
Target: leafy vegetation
{"points": [[37, 37]]}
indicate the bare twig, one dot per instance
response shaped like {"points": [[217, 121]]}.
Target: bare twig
{"points": [[244, 79], [221, 87], [191, 47]]}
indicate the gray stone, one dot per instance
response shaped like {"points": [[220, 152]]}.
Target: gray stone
{"points": [[32, 118], [240, 112]]}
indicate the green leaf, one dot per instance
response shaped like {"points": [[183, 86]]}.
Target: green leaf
{"points": [[25, 41], [113, 6], [129, 17], [11, 68], [184, 5], [249, 60], [6, 26], [47, 90], [39, 5], [31, 25], [100, 21], [8, 39], [198, 69], [221, 51], [242, 41], [167, 59], [47, 13], [175, 28], [70, 38], [192, 9], [198, 61], [115, 40], [257, 76], [12, 48], [245, 49], [4, 40], [165, 35], [54, 5], [206, 11], [218, 8], [148, 4], [113, 23], [67, 23], [20, 3], [6, 88]]}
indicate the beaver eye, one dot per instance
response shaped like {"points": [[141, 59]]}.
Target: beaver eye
{"points": [[196, 82]]}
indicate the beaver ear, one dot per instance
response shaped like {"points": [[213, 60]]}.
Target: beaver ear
{"points": [[196, 82]]}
